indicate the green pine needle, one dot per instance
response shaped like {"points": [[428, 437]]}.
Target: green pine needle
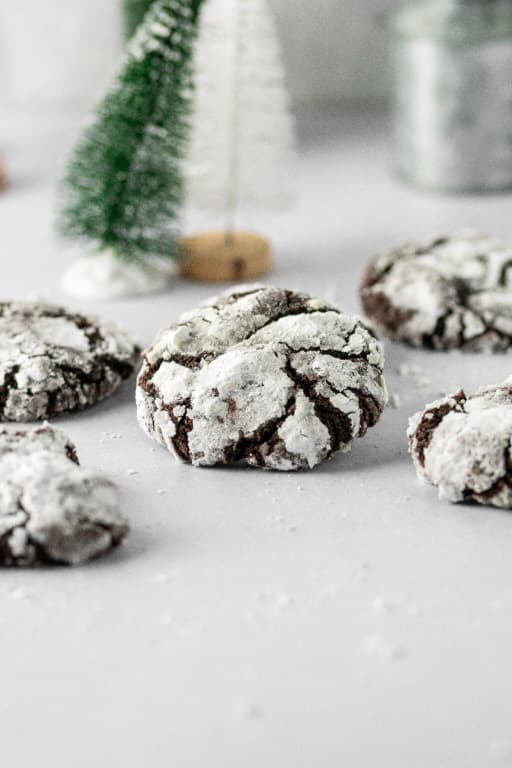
{"points": [[133, 13], [123, 188], [135, 10]]}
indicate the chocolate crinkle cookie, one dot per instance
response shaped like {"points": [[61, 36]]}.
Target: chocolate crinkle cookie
{"points": [[262, 377], [52, 360], [455, 292], [462, 445], [52, 510]]}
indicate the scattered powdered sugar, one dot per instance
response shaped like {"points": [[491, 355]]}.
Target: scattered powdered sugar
{"points": [[414, 373], [110, 436], [395, 400], [248, 709], [382, 607], [161, 579], [330, 591], [166, 618], [283, 601], [380, 647], [18, 593]]}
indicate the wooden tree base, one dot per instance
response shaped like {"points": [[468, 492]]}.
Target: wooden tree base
{"points": [[3, 176], [219, 257]]}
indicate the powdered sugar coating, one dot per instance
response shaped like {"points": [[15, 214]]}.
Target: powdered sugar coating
{"points": [[455, 292], [262, 377], [462, 445], [52, 360], [52, 510]]}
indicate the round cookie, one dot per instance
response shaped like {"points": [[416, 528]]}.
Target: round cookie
{"points": [[455, 292], [52, 510], [53, 361], [262, 377], [462, 445]]}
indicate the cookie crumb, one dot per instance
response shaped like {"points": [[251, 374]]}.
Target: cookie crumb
{"points": [[249, 710], [395, 400], [161, 578], [383, 607], [166, 618], [18, 593], [375, 645]]}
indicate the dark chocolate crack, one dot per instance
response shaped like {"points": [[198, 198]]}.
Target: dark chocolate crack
{"points": [[337, 423], [9, 383], [252, 448], [380, 309], [184, 426], [431, 420]]}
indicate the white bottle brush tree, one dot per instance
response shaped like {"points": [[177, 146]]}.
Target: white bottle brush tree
{"points": [[242, 142]]}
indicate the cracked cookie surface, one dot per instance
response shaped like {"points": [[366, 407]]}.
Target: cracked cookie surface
{"points": [[261, 377], [51, 509], [52, 360], [462, 445], [454, 293]]}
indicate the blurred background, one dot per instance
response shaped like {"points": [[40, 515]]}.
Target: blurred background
{"points": [[334, 50]]}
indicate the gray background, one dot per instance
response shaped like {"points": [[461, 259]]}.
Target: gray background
{"points": [[62, 51]]}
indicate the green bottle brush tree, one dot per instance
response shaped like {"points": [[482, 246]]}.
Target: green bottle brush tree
{"points": [[123, 189]]}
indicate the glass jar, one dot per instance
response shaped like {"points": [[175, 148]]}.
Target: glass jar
{"points": [[452, 94]]}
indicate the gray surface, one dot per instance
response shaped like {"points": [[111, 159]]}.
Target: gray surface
{"points": [[339, 618]]}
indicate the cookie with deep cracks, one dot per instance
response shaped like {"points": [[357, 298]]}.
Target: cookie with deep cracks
{"points": [[261, 377], [452, 293], [53, 361]]}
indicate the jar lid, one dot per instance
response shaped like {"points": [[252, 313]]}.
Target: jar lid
{"points": [[455, 21]]}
